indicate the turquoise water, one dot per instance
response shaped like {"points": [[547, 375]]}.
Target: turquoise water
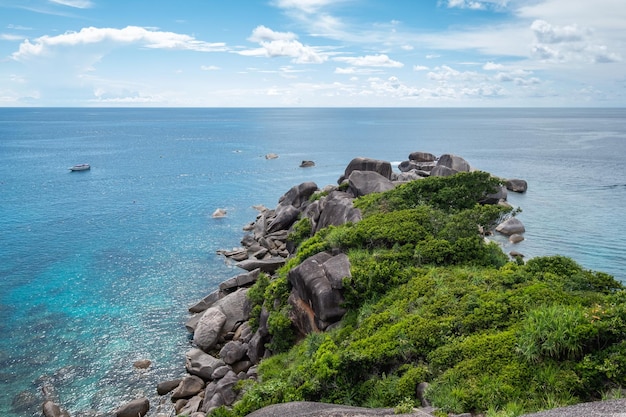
{"points": [[97, 268]]}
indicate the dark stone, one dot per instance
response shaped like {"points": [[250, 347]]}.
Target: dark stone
{"points": [[205, 303], [338, 209], [285, 216], [454, 162], [167, 386], [336, 269], [422, 157], [201, 364], [516, 185], [298, 194], [189, 386], [233, 352], [368, 164], [307, 164], [242, 280], [442, 171], [496, 197], [135, 408], [406, 166], [367, 182], [142, 364], [265, 265]]}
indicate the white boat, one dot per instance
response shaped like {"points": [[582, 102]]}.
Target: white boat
{"points": [[80, 167]]}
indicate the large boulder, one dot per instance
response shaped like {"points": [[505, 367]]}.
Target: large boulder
{"points": [[516, 185], [367, 182], [442, 171], [265, 265], [311, 284], [338, 209], [233, 352], [336, 269], [189, 386], [422, 157], [368, 164], [167, 386], [298, 194], [511, 226], [209, 328], [495, 198], [454, 162], [135, 408], [201, 363], [285, 216], [235, 307]]}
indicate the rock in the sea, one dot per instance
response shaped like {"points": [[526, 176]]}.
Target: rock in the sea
{"points": [[307, 164], [511, 226], [516, 185], [167, 386], [218, 213], [142, 364], [209, 328], [271, 156], [135, 408], [51, 409], [516, 238]]}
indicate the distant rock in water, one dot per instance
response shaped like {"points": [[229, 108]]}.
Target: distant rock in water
{"points": [[271, 156], [511, 226], [516, 185], [218, 213], [307, 164]]}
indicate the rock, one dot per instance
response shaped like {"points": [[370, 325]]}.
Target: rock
{"points": [[454, 162], [265, 265], [225, 387], [336, 269], [271, 156], [135, 408], [311, 284], [220, 372], [209, 328], [367, 182], [285, 216], [307, 164], [442, 171], [406, 166], [242, 280], [233, 352], [368, 164], [242, 366], [256, 347], [511, 226], [420, 391], [299, 194], [142, 364], [422, 157], [408, 176], [189, 386], [218, 213], [516, 238], [496, 197], [516, 185], [338, 209], [516, 254], [50, 409], [201, 363], [205, 303], [192, 406], [234, 307], [167, 386]]}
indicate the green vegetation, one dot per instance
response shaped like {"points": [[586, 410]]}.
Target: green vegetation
{"points": [[430, 301]]}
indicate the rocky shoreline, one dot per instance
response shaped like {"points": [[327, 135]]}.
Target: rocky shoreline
{"points": [[226, 349]]}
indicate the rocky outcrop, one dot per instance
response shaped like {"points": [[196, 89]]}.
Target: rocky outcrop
{"points": [[516, 185], [511, 226], [226, 347]]}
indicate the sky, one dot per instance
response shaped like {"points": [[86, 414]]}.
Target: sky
{"points": [[313, 53]]}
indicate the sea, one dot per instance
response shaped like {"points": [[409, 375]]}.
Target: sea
{"points": [[98, 268]]}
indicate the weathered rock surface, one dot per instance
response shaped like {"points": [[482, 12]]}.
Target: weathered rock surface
{"points": [[51, 409], [511, 226], [202, 364], [189, 386], [135, 408], [167, 386], [367, 182], [454, 162], [209, 327], [338, 209], [516, 185], [422, 157], [368, 164]]}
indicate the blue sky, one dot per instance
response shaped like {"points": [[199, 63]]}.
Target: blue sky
{"points": [[275, 53]]}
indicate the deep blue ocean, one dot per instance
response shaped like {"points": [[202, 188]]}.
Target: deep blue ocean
{"points": [[97, 268]]}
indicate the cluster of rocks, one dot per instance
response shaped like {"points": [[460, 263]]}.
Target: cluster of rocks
{"points": [[226, 348]]}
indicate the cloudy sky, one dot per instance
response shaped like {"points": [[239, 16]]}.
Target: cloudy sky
{"points": [[312, 53]]}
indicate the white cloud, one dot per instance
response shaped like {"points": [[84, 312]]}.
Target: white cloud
{"points": [[307, 6], [568, 43], [210, 68], [476, 4], [420, 68], [282, 44], [381, 60], [128, 35], [491, 66], [79, 4]]}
